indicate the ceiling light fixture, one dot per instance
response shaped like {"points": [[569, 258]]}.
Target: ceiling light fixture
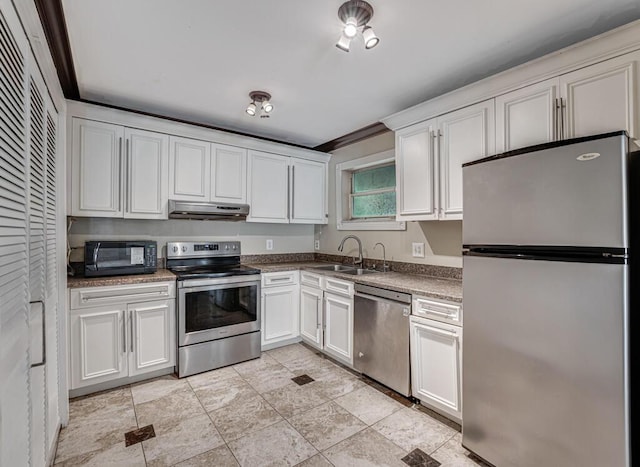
{"points": [[356, 14], [260, 100]]}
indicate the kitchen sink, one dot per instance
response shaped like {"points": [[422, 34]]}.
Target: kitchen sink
{"points": [[335, 267], [359, 271]]}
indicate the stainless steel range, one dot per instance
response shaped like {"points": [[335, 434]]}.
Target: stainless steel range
{"points": [[218, 305]]}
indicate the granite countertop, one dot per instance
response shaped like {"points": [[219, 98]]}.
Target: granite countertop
{"points": [[160, 275], [418, 284]]}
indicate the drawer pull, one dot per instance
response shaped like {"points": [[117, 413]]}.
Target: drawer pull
{"points": [[278, 279], [97, 298], [440, 313]]}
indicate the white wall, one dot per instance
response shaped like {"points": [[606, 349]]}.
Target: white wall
{"points": [[442, 239], [286, 238]]}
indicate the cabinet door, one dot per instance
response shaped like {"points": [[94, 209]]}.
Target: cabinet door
{"points": [[526, 116], [147, 177], [311, 316], [152, 336], [602, 97], [308, 192], [435, 365], [268, 188], [463, 136], [97, 169], [189, 169], [338, 327], [416, 183], [228, 174], [98, 345], [280, 314]]}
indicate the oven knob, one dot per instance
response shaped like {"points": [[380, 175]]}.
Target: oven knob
{"points": [[175, 249], [235, 247], [184, 249], [226, 247]]}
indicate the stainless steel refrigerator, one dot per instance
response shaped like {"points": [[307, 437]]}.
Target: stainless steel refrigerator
{"points": [[548, 236]]}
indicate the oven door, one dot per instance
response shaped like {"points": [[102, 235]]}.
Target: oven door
{"points": [[215, 309]]}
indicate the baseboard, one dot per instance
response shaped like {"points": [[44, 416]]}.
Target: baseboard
{"points": [[118, 382], [275, 345]]}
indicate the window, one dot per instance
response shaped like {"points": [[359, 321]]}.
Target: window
{"points": [[366, 193], [373, 192]]}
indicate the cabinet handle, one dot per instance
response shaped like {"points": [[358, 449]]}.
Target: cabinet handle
{"points": [[124, 332], [441, 313], [44, 336], [318, 312], [277, 279], [120, 173], [293, 188], [556, 120], [127, 169], [131, 321], [563, 106], [289, 192]]}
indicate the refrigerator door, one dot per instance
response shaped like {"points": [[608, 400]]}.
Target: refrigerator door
{"points": [[544, 368], [564, 195]]}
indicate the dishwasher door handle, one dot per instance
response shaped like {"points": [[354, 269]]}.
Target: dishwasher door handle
{"points": [[405, 312]]}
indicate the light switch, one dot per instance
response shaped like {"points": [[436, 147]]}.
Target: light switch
{"points": [[417, 250], [269, 244]]}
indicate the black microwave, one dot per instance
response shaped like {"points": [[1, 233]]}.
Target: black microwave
{"points": [[112, 258]]}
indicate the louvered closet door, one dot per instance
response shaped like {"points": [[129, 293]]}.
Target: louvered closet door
{"points": [[14, 315], [52, 274], [37, 201]]}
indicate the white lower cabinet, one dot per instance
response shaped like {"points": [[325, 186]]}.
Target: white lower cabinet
{"points": [[436, 357], [124, 337], [338, 327], [311, 315], [280, 309]]}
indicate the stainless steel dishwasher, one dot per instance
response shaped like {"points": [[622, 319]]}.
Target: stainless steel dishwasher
{"points": [[381, 336]]}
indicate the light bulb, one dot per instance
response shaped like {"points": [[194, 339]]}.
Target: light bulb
{"points": [[351, 27], [251, 109], [370, 38], [343, 43], [267, 106]]}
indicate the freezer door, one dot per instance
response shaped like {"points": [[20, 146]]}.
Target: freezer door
{"points": [[544, 362], [549, 197]]}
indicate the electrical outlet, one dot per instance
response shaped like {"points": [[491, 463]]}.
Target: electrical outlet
{"points": [[316, 244], [417, 250], [269, 244]]}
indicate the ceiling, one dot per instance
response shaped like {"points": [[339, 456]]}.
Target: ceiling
{"points": [[198, 59]]}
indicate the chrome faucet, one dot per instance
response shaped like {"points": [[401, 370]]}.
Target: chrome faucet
{"points": [[359, 260], [385, 267]]}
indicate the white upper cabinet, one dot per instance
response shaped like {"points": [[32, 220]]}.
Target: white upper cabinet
{"points": [[268, 188], [463, 136], [189, 169], [429, 158], [415, 170], [308, 192], [527, 116], [286, 190], [118, 171], [601, 98], [228, 174], [97, 169], [146, 173], [595, 99]]}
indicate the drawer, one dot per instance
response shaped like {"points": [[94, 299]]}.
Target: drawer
{"points": [[311, 279], [439, 310], [338, 286], [274, 279], [98, 296]]}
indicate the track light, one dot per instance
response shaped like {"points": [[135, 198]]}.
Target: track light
{"points": [[260, 100], [343, 43], [356, 14], [370, 38]]}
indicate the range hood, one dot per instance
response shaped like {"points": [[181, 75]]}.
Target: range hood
{"points": [[207, 211]]}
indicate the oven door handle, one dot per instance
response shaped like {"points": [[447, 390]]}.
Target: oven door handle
{"points": [[196, 285]]}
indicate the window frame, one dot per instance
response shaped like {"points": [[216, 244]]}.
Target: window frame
{"points": [[344, 172]]}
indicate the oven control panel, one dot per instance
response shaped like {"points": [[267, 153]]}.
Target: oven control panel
{"points": [[202, 249]]}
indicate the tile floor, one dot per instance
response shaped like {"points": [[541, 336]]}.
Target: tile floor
{"points": [[254, 414]]}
